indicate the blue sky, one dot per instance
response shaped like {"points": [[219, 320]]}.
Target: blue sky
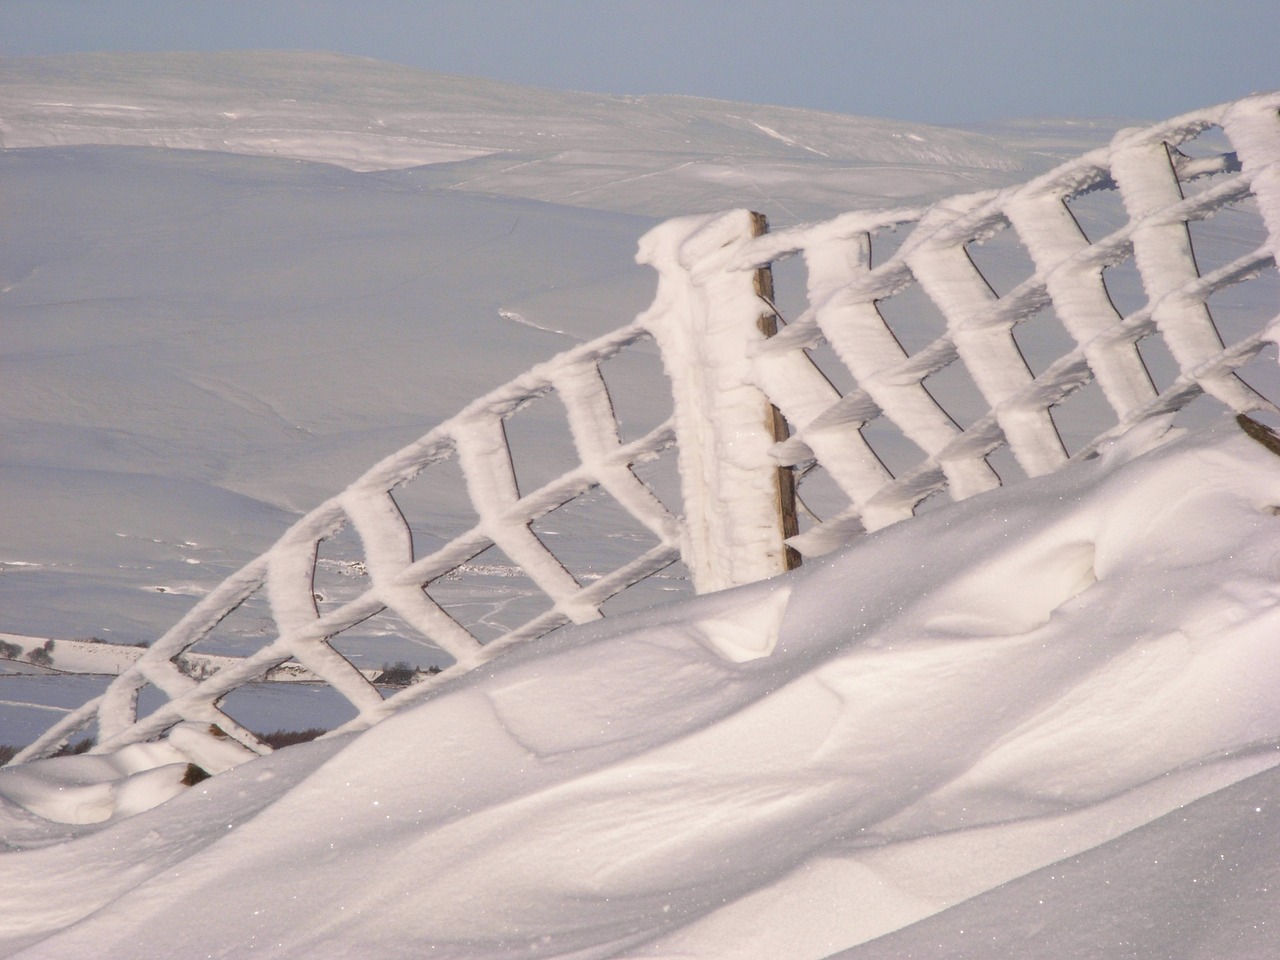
{"points": [[939, 61]]}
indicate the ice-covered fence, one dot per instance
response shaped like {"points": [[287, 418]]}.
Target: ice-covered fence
{"points": [[475, 443], [1036, 321], [907, 374]]}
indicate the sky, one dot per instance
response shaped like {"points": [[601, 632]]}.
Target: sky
{"points": [[933, 61]]}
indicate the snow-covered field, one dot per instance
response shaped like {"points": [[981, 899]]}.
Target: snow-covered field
{"points": [[202, 344], [1040, 723]]}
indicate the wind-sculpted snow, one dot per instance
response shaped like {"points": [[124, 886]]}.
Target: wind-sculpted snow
{"points": [[724, 373], [915, 726]]}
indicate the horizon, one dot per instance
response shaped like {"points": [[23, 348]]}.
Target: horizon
{"points": [[923, 61]]}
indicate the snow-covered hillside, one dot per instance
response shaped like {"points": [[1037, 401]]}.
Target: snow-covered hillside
{"points": [[786, 769], [658, 155], [1040, 723]]}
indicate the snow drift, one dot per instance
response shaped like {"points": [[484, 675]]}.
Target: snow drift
{"points": [[789, 768]]}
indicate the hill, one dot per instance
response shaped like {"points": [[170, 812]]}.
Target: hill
{"points": [[1037, 723]]}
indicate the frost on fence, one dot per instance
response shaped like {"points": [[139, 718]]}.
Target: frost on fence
{"points": [[939, 351], [404, 571], [1007, 332]]}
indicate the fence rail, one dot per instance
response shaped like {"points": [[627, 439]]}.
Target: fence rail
{"points": [[902, 375]]}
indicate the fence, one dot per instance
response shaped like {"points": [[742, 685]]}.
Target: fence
{"points": [[935, 349]]}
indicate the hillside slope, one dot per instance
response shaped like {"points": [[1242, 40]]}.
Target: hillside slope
{"points": [[659, 155], [789, 768]]}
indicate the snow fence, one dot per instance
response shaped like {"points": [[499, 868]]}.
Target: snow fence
{"points": [[934, 351]]}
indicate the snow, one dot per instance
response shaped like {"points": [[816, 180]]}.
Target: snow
{"points": [[94, 789], [663, 155], [704, 319], [1037, 723], [879, 754]]}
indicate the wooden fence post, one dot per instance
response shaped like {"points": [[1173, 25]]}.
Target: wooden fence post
{"points": [[707, 318], [785, 478]]}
